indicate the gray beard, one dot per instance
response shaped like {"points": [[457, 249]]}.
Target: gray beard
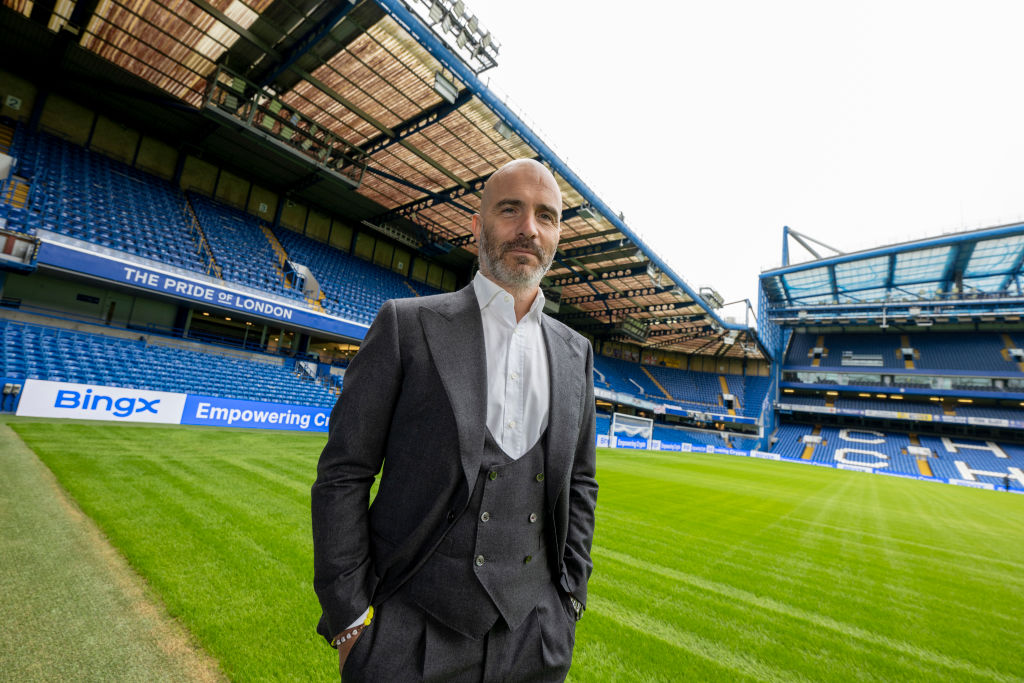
{"points": [[518, 277]]}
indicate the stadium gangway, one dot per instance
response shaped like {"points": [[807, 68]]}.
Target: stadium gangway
{"points": [[261, 113]]}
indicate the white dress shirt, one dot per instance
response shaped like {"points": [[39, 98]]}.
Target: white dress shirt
{"points": [[518, 377]]}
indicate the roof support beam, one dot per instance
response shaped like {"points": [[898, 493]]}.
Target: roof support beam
{"points": [[586, 236], [611, 296], [612, 273], [236, 27], [1014, 271], [602, 248], [417, 123], [306, 43], [956, 265], [446, 196]]}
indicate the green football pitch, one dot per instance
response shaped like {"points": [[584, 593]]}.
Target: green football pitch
{"points": [[706, 567]]}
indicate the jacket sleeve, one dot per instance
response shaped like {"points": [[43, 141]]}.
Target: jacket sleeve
{"points": [[582, 495], [343, 573]]}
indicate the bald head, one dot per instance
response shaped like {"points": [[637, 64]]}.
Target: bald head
{"points": [[528, 171], [518, 226]]}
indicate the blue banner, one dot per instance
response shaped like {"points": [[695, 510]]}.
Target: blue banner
{"points": [[182, 287], [232, 412]]}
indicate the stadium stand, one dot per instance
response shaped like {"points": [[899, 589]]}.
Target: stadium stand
{"points": [[353, 288], [626, 377], [950, 457], [239, 247], [60, 355], [960, 352], [88, 196]]}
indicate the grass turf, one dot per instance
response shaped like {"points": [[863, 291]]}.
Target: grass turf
{"points": [[707, 567]]}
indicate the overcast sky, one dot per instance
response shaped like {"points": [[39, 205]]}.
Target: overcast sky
{"points": [[711, 125]]}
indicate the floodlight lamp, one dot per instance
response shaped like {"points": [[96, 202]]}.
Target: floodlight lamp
{"points": [[458, 8], [445, 88], [586, 211], [473, 24], [436, 12], [503, 130], [462, 39], [446, 24]]}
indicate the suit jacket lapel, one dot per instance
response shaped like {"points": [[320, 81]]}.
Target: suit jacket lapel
{"points": [[567, 379], [455, 337]]}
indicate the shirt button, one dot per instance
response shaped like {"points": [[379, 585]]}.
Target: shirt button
{"points": [[479, 560], [533, 517], [514, 376], [493, 475], [511, 424], [540, 477], [485, 516]]}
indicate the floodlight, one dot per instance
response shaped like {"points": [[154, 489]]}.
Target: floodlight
{"points": [[473, 24], [586, 211], [436, 12], [462, 39], [445, 88], [503, 130], [458, 8]]}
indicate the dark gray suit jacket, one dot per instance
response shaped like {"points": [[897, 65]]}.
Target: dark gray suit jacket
{"points": [[415, 401]]}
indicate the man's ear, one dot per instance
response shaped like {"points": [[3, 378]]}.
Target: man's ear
{"points": [[474, 226]]}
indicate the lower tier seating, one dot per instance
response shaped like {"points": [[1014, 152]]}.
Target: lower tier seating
{"points": [[39, 352], [947, 457]]}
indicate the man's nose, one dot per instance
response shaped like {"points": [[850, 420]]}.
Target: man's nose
{"points": [[529, 227]]}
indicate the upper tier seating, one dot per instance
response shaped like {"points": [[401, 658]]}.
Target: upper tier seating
{"points": [[88, 196], [239, 246], [688, 389], [38, 352], [977, 352], [353, 288], [625, 377]]}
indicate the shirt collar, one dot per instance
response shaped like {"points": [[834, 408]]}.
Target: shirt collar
{"points": [[486, 290]]}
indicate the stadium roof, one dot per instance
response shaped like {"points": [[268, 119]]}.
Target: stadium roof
{"points": [[973, 273], [397, 86]]}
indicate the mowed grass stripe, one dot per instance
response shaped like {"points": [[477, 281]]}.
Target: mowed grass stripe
{"points": [[706, 567], [839, 628], [917, 602]]}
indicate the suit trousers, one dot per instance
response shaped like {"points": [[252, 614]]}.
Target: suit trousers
{"points": [[405, 644]]}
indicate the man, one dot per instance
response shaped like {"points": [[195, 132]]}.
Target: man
{"points": [[475, 555]]}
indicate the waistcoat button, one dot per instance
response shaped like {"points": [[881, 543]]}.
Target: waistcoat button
{"points": [[493, 475], [485, 516], [479, 560], [540, 477], [527, 559], [533, 517]]}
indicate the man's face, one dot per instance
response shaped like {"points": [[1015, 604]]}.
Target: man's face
{"points": [[518, 226]]}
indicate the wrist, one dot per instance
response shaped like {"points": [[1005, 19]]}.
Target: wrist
{"points": [[354, 630]]}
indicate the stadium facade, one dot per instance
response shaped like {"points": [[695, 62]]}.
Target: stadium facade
{"points": [[203, 207]]}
